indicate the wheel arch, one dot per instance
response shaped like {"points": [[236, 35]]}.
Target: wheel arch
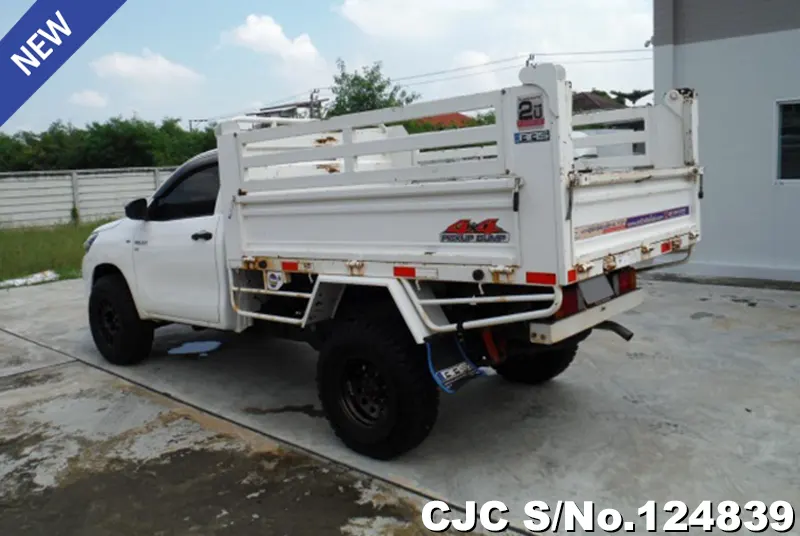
{"points": [[350, 292], [107, 269]]}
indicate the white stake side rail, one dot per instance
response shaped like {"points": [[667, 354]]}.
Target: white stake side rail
{"points": [[433, 161], [344, 127], [669, 138]]}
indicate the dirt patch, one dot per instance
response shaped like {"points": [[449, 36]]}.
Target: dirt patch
{"points": [[204, 492], [13, 447], [701, 314], [307, 409], [19, 381], [638, 356], [14, 361]]}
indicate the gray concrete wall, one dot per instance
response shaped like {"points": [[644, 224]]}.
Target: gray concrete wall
{"points": [[40, 198], [680, 22], [751, 220]]}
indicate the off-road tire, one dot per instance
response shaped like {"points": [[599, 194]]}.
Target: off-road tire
{"points": [[132, 341], [534, 368], [412, 398]]}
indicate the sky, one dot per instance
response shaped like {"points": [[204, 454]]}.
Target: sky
{"points": [[195, 59]]}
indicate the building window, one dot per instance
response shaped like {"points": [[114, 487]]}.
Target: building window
{"points": [[789, 132]]}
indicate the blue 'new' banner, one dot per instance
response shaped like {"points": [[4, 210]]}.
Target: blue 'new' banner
{"points": [[42, 41]]}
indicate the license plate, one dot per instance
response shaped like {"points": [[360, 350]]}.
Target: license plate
{"points": [[596, 290]]}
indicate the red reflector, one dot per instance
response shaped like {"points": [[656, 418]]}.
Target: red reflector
{"points": [[405, 271], [627, 281], [289, 266], [666, 247], [569, 302], [572, 276], [538, 278]]}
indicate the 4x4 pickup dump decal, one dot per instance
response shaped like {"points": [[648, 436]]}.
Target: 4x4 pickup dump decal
{"points": [[486, 231], [612, 226]]}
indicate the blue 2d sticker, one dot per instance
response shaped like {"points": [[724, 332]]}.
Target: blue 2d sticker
{"points": [[532, 136]]}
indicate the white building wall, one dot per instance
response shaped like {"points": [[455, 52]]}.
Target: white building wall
{"points": [[751, 221]]}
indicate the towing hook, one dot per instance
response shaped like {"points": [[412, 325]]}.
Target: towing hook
{"points": [[622, 331]]}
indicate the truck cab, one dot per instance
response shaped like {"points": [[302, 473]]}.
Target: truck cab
{"points": [[168, 249]]}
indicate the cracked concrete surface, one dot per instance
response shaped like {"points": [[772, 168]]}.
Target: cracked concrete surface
{"points": [[84, 453], [701, 405]]}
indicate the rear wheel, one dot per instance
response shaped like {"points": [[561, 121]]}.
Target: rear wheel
{"points": [[375, 388], [536, 367], [119, 334]]}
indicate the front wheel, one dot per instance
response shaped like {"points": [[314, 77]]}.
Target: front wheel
{"points": [[375, 388], [119, 334], [536, 367]]}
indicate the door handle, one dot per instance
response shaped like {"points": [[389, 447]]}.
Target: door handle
{"points": [[202, 235]]}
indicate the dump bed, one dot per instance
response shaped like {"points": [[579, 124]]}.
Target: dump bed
{"points": [[539, 197]]}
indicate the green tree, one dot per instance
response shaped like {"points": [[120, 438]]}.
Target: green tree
{"points": [[114, 143], [13, 153], [613, 95], [366, 90]]}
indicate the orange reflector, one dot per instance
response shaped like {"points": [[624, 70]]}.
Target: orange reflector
{"points": [[666, 247], [405, 271], [290, 266], [572, 276], [539, 278]]}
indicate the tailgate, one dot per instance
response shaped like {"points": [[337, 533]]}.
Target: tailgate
{"points": [[622, 219], [637, 195]]}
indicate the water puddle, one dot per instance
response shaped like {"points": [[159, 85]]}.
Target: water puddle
{"points": [[201, 348]]}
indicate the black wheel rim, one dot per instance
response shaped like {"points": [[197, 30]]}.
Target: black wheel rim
{"points": [[364, 393], [109, 322]]}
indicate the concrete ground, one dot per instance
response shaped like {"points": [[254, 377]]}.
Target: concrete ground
{"points": [[701, 405], [85, 453]]}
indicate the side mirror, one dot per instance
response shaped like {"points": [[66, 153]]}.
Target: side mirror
{"points": [[137, 209]]}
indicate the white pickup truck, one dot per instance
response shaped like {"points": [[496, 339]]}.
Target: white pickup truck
{"points": [[413, 263]]}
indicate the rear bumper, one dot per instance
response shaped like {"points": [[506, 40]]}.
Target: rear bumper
{"points": [[559, 330]]}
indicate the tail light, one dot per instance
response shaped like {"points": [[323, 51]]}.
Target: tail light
{"points": [[570, 304], [627, 280]]}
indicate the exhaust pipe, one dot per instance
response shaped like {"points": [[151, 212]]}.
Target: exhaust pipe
{"points": [[620, 330]]}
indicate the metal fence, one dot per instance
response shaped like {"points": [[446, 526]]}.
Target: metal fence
{"points": [[41, 198]]}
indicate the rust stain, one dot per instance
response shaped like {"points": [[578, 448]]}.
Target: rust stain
{"points": [[265, 263], [355, 267], [609, 263], [502, 274], [330, 168], [325, 140]]}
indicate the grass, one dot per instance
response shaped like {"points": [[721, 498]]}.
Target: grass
{"points": [[27, 250]]}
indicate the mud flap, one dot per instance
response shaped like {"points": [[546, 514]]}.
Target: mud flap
{"points": [[448, 363]]}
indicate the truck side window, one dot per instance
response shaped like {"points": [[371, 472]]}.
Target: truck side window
{"points": [[193, 197]]}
